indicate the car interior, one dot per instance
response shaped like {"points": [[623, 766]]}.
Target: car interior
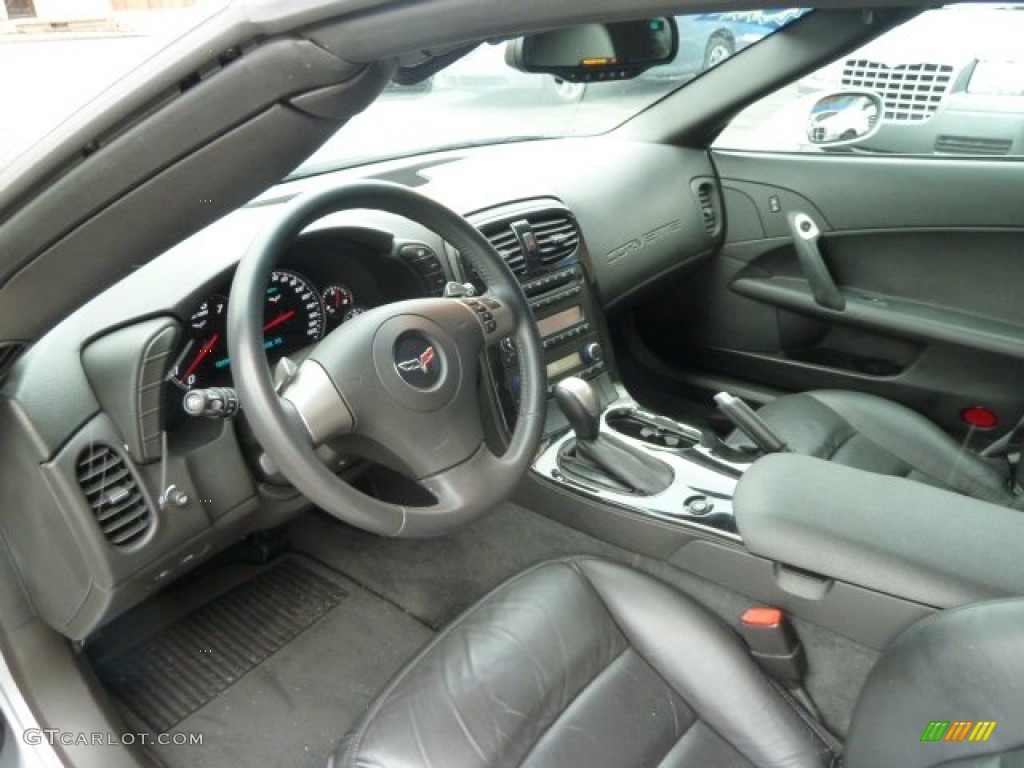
{"points": [[612, 450]]}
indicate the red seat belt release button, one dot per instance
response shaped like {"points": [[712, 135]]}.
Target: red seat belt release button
{"points": [[774, 644]]}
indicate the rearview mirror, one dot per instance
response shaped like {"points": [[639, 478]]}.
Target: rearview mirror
{"points": [[844, 118], [593, 52]]}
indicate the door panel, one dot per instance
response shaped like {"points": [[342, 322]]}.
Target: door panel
{"points": [[928, 257]]}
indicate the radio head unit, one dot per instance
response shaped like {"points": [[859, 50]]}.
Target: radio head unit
{"points": [[541, 243]]}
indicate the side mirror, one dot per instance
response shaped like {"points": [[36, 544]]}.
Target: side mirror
{"points": [[844, 118], [593, 52]]}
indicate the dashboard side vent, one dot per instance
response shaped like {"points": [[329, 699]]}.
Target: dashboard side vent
{"points": [[557, 237], [706, 198], [9, 352], [506, 243], [113, 495], [972, 145]]}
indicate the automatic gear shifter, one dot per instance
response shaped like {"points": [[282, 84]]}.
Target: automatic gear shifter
{"points": [[600, 458], [578, 401]]}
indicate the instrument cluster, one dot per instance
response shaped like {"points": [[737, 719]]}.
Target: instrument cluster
{"points": [[296, 314]]}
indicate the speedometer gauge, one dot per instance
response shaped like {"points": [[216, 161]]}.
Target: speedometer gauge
{"points": [[293, 315], [293, 318]]}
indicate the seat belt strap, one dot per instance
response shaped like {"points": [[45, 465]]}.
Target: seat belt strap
{"points": [[1002, 446]]}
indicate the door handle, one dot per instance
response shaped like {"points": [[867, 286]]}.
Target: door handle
{"points": [[805, 238]]}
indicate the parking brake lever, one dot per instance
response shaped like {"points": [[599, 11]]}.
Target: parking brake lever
{"points": [[750, 424], [805, 238]]}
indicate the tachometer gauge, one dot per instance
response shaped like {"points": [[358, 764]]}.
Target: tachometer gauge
{"points": [[337, 301], [205, 351]]}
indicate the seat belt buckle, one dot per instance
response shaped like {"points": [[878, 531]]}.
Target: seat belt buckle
{"points": [[774, 644]]}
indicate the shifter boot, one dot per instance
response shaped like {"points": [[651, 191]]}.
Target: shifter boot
{"points": [[621, 466]]}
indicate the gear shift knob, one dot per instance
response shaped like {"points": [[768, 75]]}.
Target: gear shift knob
{"points": [[578, 401]]}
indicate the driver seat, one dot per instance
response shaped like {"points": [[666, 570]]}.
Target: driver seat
{"points": [[584, 662]]}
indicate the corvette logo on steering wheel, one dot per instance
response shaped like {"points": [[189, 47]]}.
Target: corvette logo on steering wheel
{"points": [[418, 361], [421, 363]]}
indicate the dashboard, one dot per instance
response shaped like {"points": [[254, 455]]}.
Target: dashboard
{"points": [[91, 417]]}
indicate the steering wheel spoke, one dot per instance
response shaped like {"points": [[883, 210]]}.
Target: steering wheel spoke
{"points": [[318, 403], [467, 486]]}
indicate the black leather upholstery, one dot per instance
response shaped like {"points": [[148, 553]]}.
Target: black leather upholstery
{"points": [[583, 662], [878, 435], [964, 664], [586, 663]]}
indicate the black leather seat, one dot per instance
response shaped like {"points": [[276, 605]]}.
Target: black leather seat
{"points": [[878, 435], [583, 662]]}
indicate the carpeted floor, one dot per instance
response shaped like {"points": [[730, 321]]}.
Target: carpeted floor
{"points": [[436, 579]]}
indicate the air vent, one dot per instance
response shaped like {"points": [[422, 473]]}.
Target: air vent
{"points": [[9, 352], [972, 145], [508, 247], [113, 495], [557, 237], [706, 198]]}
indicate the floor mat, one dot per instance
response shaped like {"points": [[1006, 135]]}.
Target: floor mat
{"points": [[173, 674], [291, 708]]}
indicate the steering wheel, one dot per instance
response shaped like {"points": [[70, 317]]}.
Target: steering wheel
{"points": [[399, 382]]}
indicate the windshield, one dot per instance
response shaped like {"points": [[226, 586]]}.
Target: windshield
{"points": [[57, 56], [479, 99]]}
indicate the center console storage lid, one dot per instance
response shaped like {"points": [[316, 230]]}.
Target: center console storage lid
{"points": [[884, 533]]}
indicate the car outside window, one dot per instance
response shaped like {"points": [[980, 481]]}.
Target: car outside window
{"points": [[951, 83], [57, 55], [479, 99]]}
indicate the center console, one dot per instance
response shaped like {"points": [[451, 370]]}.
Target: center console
{"points": [[702, 484], [542, 244], [813, 533]]}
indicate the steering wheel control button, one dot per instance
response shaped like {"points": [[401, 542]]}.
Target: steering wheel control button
{"points": [[427, 265], [418, 361], [484, 309]]}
